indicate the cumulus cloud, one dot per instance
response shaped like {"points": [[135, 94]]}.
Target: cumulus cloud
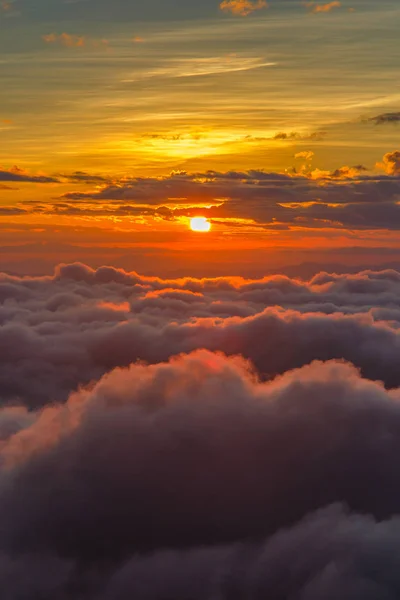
{"points": [[306, 154], [391, 163], [193, 478], [199, 438], [80, 323], [347, 172], [242, 8]]}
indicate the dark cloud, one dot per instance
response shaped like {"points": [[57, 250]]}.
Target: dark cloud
{"points": [[193, 479], [16, 174], [75, 326], [296, 136], [348, 172], [347, 197], [332, 554], [83, 177], [391, 117], [11, 210], [142, 457]]}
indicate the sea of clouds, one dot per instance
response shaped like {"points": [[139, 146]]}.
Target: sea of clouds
{"points": [[199, 439]]}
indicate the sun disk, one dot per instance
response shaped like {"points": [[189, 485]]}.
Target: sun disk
{"points": [[200, 224]]}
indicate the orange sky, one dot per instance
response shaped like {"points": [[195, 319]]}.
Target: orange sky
{"points": [[115, 133]]}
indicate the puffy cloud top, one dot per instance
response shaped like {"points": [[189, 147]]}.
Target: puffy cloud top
{"points": [[199, 438], [66, 330]]}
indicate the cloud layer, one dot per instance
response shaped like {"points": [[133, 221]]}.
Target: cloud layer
{"points": [[75, 326], [143, 455], [346, 197], [194, 479]]}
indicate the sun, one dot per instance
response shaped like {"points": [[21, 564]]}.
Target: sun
{"points": [[200, 224]]}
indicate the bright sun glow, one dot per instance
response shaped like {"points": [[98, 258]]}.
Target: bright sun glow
{"points": [[200, 224]]}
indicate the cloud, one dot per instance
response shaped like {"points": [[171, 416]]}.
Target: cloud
{"points": [[11, 210], [242, 8], [17, 174], [7, 8], [160, 463], [296, 136], [80, 323], [74, 41], [392, 117], [347, 197], [83, 177], [192, 478], [323, 8], [345, 172], [306, 154], [391, 163]]}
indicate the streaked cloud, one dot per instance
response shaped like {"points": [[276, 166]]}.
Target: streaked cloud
{"points": [[293, 136], [382, 119], [74, 41], [310, 198], [17, 174]]}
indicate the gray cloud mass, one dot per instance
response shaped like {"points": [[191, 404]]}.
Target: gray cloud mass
{"points": [[199, 438]]}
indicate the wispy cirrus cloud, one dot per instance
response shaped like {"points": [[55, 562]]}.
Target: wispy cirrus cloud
{"points": [[69, 40]]}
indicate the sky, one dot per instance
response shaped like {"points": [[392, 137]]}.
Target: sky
{"points": [[199, 300], [120, 121]]}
